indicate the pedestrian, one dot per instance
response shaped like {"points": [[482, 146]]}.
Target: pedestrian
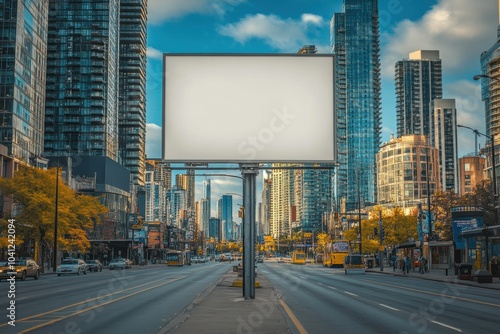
{"points": [[394, 263], [407, 264], [421, 265], [402, 265]]}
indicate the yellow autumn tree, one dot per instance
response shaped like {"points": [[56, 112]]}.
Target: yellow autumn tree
{"points": [[33, 191]]}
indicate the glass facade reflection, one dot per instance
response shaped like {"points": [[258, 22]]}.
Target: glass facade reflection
{"points": [[23, 57], [355, 43]]}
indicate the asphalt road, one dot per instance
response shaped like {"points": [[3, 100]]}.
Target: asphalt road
{"points": [[325, 300], [137, 300]]}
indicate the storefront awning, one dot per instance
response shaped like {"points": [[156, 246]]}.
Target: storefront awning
{"points": [[492, 231]]}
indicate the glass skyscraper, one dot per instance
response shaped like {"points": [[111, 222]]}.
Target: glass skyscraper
{"points": [[82, 78], [355, 43], [23, 59], [96, 81], [225, 210]]}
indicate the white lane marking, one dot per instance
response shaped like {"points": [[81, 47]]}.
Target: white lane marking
{"points": [[390, 308], [329, 287], [447, 326], [352, 294]]}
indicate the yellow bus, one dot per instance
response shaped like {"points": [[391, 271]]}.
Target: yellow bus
{"points": [[354, 264], [178, 258], [299, 257], [335, 252]]}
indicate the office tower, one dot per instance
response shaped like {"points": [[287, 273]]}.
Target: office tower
{"points": [[82, 78], [132, 88], [186, 182], [176, 197], [162, 172], [355, 43], [403, 165], [23, 60], [214, 229], [445, 139], [203, 216], [418, 82], [265, 213], [490, 82], [207, 194], [225, 215]]}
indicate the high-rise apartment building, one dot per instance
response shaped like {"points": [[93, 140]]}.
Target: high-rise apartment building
{"points": [[281, 201], [408, 170], [445, 139], [23, 60], [355, 43], [132, 88], [418, 82], [96, 81], [82, 78], [490, 72]]}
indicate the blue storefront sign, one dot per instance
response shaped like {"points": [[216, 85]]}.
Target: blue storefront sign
{"points": [[464, 219]]}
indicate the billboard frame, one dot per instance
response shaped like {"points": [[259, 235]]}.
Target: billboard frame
{"points": [[327, 152]]}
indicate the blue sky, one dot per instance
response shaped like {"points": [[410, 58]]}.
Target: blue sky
{"points": [[459, 29]]}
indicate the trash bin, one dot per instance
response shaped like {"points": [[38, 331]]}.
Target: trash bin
{"points": [[465, 271], [153, 261]]}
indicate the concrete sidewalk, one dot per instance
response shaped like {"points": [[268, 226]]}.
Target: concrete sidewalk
{"points": [[438, 275], [224, 310]]}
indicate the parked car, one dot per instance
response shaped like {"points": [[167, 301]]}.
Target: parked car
{"points": [[260, 259], [94, 265], [72, 266], [21, 268], [118, 263]]}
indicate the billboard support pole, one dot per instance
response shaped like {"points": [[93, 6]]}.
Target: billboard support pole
{"points": [[249, 172]]}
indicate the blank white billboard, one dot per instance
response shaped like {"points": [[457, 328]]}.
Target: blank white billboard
{"points": [[248, 108]]}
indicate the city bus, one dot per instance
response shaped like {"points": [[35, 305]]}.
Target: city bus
{"points": [[178, 258], [335, 252], [354, 264], [299, 257]]}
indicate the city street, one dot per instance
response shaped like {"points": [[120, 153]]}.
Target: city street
{"points": [[138, 300], [325, 300], [315, 299]]}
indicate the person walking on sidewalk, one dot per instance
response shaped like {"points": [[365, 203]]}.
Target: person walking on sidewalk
{"points": [[421, 265], [407, 264]]}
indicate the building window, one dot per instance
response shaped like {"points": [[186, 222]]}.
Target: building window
{"points": [[467, 167]]}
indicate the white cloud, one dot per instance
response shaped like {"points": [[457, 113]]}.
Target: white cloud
{"points": [[283, 34], [311, 18], [153, 141], [160, 11], [460, 29], [153, 53]]}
